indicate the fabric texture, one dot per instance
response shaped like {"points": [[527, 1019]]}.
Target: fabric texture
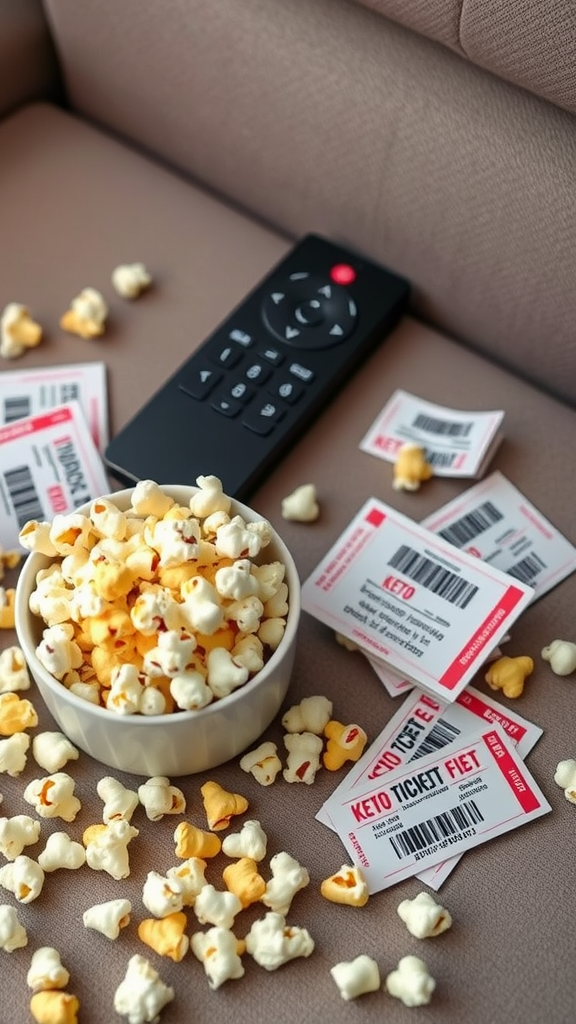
{"points": [[28, 69]]}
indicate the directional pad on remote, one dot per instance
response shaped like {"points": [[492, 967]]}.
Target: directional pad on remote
{"points": [[307, 311]]}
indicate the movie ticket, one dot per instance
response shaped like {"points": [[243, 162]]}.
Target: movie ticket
{"points": [[439, 806]]}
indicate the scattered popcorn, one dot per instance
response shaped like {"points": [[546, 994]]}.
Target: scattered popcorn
{"points": [[509, 674], [221, 806], [12, 933], [411, 982], [107, 847], [13, 671], [271, 942], [423, 917], [190, 877], [130, 279], [158, 798], [192, 841], [213, 906], [46, 970], [53, 796], [17, 832], [345, 743], [61, 852], [52, 750], [302, 505], [243, 879], [13, 754], [288, 877], [356, 977], [23, 877], [347, 886], [565, 777], [87, 314], [166, 937], [411, 468], [142, 994], [304, 750], [108, 918], [7, 610], [312, 714], [162, 895], [18, 331], [263, 763], [119, 802], [54, 1007], [218, 950], [210, 498], [251, 842], [16, 714], [561, 654]]}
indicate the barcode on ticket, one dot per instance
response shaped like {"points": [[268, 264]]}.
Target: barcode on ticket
{"points": [[16, 408], [444, 428], [428, 834], [439, 736], [23, 495], [463, 530], [528, 568], [433, 576]]}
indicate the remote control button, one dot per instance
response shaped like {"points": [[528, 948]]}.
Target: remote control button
{"points": [[228, 356], [257, 373], [226, 406], [309, 311], [302, 372], [287, 390], [241, 337], [240, 392], [263, 418], [271, 355], [200, 382]]}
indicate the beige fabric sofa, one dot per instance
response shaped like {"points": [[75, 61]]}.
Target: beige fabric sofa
{"points": [[202, 137]]}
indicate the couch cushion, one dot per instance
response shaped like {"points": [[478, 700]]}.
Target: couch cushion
{"points": [[73, 203]]}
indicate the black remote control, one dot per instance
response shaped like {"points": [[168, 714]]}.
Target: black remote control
{"points": [[247, 392]]}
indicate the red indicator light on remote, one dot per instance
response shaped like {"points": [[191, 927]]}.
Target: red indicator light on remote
{"points": [[343, 273]]}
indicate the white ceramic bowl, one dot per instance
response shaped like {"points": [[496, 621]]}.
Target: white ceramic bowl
{"points": [[183, 742]]}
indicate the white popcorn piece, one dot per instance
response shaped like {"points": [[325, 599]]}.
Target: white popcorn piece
{"points": [[213, 906], [159, 797], [302, 505], [23, 877], [304, 751], [12, 934], [217, 950], [57, 650], [69, 532], [565, 777], [53, 796], [251, 842], [87, 314], [271, 631], [312, 714], [171, 655], [52, 750], [561, 655], [86, 691], [356, 977], [246, 613], [154, 610], [224, 672], [17, 832], [18, 331], [108, 849], [235, 540], [175, 540], [148, 499], [190, 877], [13, 670], [190, 691], [263, 763], [35, 536], [423, 917], [271, 942], [276, 607], [108, 519], [201, 610], [269, 577], [142, 994], [411, 982], [119, 802], [13, 754], [162, 895], [61, 852], [130, 280], [108, 918], [288, 877], [249, 651], [234, 582], [51, 598], [126, 690], [46, 970], [210, 499]]}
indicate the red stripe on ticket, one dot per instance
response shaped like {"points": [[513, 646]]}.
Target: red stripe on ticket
{"points": [[32, 424], [510, 771], [484, 633]]}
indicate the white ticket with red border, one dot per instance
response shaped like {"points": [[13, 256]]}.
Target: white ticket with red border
{"points": [[437, 807]]}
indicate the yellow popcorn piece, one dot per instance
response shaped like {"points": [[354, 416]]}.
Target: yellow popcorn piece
{"points": [[411, 468], [192, 841], [220, 805], [16, 714], [54, 1007], [7, 609], [87, 314], [242, 879], [509, 674], [166, 936], [347, 886], [18, 331], [345, 743]]}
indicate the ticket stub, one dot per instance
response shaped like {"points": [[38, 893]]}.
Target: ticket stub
{"points": [[392, 683], [456, 443], [439, 806], [494, 521], [30, 392], [429, 611], [48, 464]]}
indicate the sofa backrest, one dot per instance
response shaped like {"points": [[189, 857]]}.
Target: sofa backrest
{"points": [[326, 115]]}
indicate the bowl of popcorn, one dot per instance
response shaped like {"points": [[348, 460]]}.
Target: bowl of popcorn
{"points": [[160, 624]]}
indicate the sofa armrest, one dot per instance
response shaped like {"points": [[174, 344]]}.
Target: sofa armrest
{"points": [[27, 56]]}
